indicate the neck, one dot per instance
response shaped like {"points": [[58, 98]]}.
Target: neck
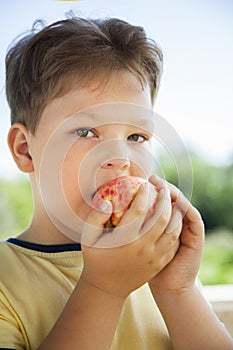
{"points": [[43, 231]]}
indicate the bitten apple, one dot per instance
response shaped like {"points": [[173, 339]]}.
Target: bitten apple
{"points": [[120, 192]]}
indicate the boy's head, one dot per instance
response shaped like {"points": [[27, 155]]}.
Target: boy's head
{"points": [[80, 93], [70, 54]]}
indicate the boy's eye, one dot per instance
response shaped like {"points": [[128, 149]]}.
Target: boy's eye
{"points": [[84, 132], [137, 138]]}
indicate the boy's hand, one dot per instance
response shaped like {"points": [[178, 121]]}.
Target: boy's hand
{"points": [[122, 269], [181, 272]]}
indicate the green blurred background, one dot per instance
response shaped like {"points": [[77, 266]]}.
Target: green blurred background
{"points": [[212, 194]]}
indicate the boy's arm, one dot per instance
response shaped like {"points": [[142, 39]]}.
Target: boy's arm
{"points": [[91, 315], [88, 321], [191, 322]]}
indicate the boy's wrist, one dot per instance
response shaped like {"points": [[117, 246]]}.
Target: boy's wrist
{"points": [[167, 294], [85, 285]]}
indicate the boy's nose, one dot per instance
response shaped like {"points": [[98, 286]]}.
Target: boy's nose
{"points": [[120, 163]]}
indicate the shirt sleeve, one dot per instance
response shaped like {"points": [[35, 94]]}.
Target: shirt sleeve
{"points": [[11, 333]]}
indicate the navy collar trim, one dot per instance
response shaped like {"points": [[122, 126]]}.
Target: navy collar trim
{"points": [[52, 248]]}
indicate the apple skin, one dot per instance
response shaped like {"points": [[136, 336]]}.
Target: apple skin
{"points": [[120, 192]]}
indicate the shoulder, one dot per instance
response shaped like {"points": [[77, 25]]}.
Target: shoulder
{"points": [[11, 265], [26, 265], [7, 254], [11, 256]]}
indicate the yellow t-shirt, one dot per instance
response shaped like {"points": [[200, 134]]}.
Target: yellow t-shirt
{"points": [[37, 280]]}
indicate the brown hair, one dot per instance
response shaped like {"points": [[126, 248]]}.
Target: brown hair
{"points": [[44, 64]]}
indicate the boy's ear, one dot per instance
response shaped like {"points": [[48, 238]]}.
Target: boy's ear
{"points": [[18, 142]]}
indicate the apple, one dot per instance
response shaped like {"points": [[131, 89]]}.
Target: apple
{"points": [[120, 192]]}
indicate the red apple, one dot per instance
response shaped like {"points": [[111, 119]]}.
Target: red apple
{"points": [[120, 192]]}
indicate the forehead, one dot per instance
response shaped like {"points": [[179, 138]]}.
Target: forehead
{"points": [[92, 101]]}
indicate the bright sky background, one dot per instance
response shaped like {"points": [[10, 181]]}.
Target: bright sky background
{"points": [[196, 36]]}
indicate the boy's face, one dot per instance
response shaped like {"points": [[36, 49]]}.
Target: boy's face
{"points": [[88, 137]]}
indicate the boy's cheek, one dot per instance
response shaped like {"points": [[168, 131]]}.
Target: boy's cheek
{"points": [[71, 193], [75, 202]]}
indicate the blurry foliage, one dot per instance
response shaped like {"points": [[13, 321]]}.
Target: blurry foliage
{"points": [[212, 191], [217, 262], [15, 206]]}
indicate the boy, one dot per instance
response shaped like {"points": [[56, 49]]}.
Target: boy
{"points": [[64, 85]]}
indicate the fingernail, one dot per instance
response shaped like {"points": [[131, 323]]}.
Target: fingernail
{"points": [[104, 206]]}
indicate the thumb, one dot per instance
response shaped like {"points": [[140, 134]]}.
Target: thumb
{"points": [[93, 228]]}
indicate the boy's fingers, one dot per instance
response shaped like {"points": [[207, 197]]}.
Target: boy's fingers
{"points": [[177, 197], [194, 220], [162, 214], [176, 222], [157, 181], [94, 225], [190, 214], [160, 183], [134, 217]]}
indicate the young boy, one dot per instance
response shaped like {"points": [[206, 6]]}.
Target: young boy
{"points": [[65, 86]]}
